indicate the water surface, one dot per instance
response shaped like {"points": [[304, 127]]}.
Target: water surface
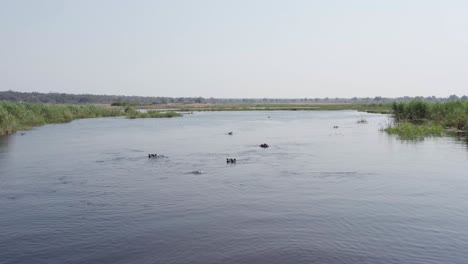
{"points": [[85, 192]]}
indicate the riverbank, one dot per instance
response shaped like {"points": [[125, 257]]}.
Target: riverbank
{"points": [[22, 116], [384, 108]]}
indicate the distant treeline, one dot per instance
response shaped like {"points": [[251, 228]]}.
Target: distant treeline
{"points": [[63, 98]]}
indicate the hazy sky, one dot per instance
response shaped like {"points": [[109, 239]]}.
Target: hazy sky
{"points": [[235, 48]]}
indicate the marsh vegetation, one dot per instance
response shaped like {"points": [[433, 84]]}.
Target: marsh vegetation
{"points": [[418, 119], [412, 131], [21, 116]]}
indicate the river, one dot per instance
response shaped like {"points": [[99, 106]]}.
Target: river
{"points": [[86, 191]]}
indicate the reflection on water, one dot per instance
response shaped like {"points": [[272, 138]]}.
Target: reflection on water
{"points": [[4, 144], [86, 192], [462, 137]]}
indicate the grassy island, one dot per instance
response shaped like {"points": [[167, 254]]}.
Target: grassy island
{"points": [[132, 113]]}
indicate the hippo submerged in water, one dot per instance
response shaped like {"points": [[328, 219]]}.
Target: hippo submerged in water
{"points": [[264, 145], [229, 160], [154, 156]]}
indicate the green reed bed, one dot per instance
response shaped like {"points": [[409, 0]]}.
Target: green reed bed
{"points": [[412, 131], [21, 116], [418, 119]]}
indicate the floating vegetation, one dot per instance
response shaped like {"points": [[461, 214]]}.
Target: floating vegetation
{"points": [[362, 121], [411, 131]]}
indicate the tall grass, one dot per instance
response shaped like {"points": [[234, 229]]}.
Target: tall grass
{"points": [[411, 131], [18, 116], [417, 118], [453, 114]]}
